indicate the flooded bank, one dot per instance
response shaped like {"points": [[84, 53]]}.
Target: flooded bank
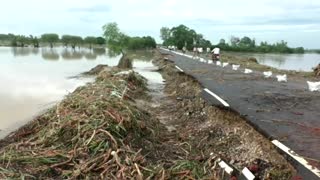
{"points": [[123, 126], [35, 79], [298, 62]]}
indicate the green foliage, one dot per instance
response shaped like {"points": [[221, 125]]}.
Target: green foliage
{"points": [[50, 38], [34, 41], [181, 36], [165, 33], [136, 43], [90, 40], [246, 44], [118, 42], [222, 41], [115, 39], [71, 40], [20, 41], [66, 40], [100, 41]]}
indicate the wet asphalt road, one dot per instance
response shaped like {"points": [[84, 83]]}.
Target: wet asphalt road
{"points": [[287, 112]]}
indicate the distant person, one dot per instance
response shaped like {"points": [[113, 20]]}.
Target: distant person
{"points": [[216, 53], [200, 50], [184, 49], [195, 52], [208, 51]]}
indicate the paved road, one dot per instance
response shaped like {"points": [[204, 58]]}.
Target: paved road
{"points": [[287, 112]]}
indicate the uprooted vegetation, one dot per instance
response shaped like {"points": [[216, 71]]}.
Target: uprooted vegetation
{"points": [[316, 70], [100, 131], [89, 134]]}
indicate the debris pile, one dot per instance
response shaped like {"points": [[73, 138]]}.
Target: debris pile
{"points": [[253, 60], [316, 70], [89, 134], [100, 131], [96, 70], [125, 62]]}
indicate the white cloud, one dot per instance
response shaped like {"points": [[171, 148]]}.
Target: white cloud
{"points": [[215, 19]]}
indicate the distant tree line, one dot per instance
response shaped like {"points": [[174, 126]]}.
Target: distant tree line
{"points": [[313, 51], [50, 39], [119, 42], [181, 36], [246, 44]]}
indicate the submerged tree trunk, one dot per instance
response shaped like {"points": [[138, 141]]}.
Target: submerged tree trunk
{"points": [[51, 45], [125, 62]]}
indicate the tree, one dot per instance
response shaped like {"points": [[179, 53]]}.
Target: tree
{"points": [[245, 41], [100, 41], [149, 42], [135, 43], [76, 41], [22, 40], [90, 40], [165, 33], [222, 42], [181, 35], [116, 41], [34, 41], [66, 40], [50, 38], [234, 40], [72, 40]]}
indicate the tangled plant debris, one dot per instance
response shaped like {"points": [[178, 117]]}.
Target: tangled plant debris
{"points": [[86, 135], [316, 70], [101, 131]]}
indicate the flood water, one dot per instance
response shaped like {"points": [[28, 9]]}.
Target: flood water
{"points": [[298, 62], [33, 80]]}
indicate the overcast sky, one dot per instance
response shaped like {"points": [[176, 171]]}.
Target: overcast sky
{"points": [[295, 21]]}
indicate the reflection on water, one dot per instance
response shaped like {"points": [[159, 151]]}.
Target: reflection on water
{"points": [[71, 54], [56, 53], [298, 62], [99, 51], [50, 54], [90, 56], [34, 79]]}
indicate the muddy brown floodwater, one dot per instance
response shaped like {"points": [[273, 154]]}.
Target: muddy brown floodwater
{"points": [[34, 79]]}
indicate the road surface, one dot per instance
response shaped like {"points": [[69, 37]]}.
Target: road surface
{"points": [[287, 113]]}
